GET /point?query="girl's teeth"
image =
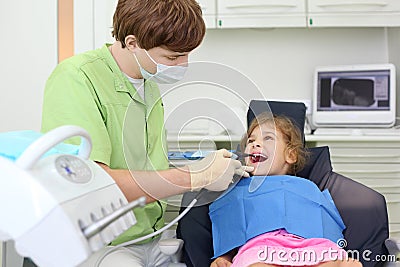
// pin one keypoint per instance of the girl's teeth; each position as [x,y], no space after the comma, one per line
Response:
[258,158]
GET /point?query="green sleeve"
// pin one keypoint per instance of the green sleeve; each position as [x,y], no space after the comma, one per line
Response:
[70,99]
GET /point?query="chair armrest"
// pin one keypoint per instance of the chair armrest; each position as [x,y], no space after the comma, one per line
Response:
[393,246]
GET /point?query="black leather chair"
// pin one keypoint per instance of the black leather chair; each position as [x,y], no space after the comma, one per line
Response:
[363,210]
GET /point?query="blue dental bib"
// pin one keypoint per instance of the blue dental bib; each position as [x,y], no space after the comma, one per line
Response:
[292,203]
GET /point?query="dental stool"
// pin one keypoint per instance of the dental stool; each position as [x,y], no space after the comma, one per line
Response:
[172,247]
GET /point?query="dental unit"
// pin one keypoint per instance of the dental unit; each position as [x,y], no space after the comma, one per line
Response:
[61,208]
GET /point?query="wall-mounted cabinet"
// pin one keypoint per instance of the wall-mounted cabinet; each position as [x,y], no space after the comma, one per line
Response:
[300,13]
[260,13]
[93,18]
[353,13]
[209,8]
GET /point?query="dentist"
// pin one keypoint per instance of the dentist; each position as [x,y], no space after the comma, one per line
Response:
[102,92]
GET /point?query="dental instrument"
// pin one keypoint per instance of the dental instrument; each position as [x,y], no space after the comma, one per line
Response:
[241,155]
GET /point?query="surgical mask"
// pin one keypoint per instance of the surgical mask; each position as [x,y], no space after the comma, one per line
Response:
[164,73]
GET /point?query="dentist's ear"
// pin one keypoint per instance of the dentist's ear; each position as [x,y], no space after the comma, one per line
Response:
[131,43]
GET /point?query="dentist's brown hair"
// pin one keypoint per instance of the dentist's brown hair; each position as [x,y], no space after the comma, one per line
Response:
[177,25]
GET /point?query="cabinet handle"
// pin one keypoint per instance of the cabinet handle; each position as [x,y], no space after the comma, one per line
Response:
[278,3]
[333,3]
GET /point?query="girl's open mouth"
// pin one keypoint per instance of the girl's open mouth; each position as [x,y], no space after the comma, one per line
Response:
[258,157]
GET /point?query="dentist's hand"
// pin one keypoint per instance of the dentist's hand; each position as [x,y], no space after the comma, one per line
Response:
[216,170]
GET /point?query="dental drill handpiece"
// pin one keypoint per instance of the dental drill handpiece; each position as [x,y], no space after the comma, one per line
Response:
[102,223]
[241,155]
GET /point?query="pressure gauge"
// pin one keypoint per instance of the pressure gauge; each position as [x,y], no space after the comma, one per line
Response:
[73,169]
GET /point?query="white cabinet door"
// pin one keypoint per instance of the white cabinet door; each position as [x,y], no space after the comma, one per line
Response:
[261,13]
[353,13]
[103,21]
[209,12]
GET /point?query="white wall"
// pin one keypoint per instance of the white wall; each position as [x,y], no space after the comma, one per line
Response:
[281,61]
[28,52]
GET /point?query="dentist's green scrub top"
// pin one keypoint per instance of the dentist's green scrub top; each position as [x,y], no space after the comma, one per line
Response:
[89,90]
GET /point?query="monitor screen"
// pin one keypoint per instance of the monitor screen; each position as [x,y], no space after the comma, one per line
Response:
[357,95]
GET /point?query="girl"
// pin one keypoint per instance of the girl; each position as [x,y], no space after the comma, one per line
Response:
[275,218]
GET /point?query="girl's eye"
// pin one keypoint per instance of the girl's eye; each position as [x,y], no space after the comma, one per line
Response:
[172,58]
[268,138]
[250,141]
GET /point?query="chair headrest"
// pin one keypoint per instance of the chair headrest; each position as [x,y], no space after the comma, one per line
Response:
[296,111]
[318,166]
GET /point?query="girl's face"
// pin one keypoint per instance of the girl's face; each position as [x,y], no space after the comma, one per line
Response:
[269,147]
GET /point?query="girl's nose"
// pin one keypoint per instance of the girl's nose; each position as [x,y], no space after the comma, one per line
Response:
[256,144]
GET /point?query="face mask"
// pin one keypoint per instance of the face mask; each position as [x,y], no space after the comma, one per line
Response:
[164,73]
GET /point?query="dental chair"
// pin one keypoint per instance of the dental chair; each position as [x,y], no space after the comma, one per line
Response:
[363,210]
